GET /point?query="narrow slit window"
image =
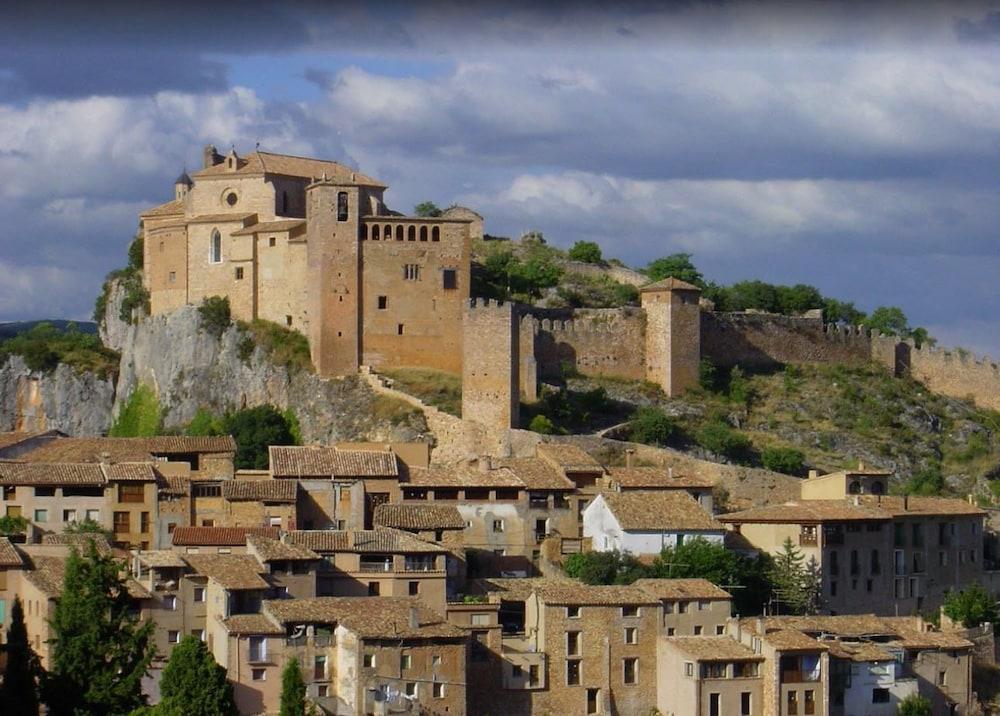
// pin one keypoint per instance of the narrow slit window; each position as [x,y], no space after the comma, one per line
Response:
[215,250]
[342,212]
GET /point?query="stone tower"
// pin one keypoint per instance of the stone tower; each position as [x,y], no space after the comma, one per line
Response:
[673,334]
[333,269]
[490,364]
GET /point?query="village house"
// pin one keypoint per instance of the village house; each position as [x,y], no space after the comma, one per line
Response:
[690,607]
[708,676]
[217,540]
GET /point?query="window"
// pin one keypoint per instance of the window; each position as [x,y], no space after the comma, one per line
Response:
[173,636]
[383,303]
[272,242]
[144,522]
[258,648]
[198,634]
[436,233]
[834,563]
[435,661]
[413,588]
[450,279]
[122,522]
[411,272]
[714,706]
[572,612]
[631,635]
[373,589]
[342,212]
[199,594]
[573,643]
[876,566]
[671,631]
[630,672]
[94,515]
[688,668]
[410,689]
[258,674]
[411,233]
[215,248]
[45,492]
[399,329]
[239,273]
[572,672]
[322,691]
[793,703]
[368,660]
[880,696]
[231,198]
[630,611]
[720,629]
[438,690]
[172,277]
[423,233]
[288,320]
[170,603]
[284,203]
[682,607]
[131,492]
[833,588]
[41,515]
[69,515]
[498,525]
[746,703]
[942,678]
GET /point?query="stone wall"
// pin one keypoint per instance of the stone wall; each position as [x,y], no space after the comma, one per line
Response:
[953,373]
[595,342]
[490,364]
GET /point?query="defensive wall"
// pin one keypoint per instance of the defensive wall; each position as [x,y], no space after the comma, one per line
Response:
[958,374]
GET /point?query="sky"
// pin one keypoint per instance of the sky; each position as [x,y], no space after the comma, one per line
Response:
[852,146]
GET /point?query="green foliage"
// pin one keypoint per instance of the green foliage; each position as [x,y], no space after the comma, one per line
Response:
[740,390]
[926,482]
[571,411]
[19,688]
[976,446]
[100,650]
[441,389]
[141,416]
[135,254]
[708,375]
[13,525]
[294,426]
[915,705]
[890,320]
[506,275]
[541,424]
[293,690]
[783,459]
[204,423]
[427,209]
[577,290]
[215,314]
[677,265]
[586,251]
[651,426]
[283,346]
[193,684]
[135,294]
[718,437]
[604,567]
[43,347]
[795,581]
[87,527]
[835,311]
[971,607]
[254,430]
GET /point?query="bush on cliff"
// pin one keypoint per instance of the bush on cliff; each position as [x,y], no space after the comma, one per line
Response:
[44,347]
[255,429]
[135,294]
[283,346]
[721,439]
[577,290]
[216,315]
[586,251]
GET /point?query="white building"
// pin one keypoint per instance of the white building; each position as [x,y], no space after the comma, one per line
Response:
[872,676]
[645,522]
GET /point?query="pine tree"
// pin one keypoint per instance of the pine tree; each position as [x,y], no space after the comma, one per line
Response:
[194,684]
[796,583]
[19,690]
[293,690]
[100,651]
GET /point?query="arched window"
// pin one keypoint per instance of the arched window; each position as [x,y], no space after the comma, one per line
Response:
[374,232]
[387,233]
[284,203]
[436,234]
[399,232]
[342,206]
[423,233]
[854,488]
[215,250]
[878,488]
[411,233]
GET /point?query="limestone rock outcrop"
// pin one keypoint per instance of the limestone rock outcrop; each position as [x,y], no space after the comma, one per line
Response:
[75,402]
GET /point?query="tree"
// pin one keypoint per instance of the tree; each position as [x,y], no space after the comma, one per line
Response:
[783,459]
[796,583]
[194,684]
[604,567]
[889,320]
[87,526]
[915,705]
[586,251]
[100,650]
[427,209]
[13,525]
[255,429]
[971,607]
[541,424]
[677,265]
[293,690]
[19,690]
[216,315]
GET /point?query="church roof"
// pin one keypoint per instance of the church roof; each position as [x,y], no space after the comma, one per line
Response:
[170,208]
[670,284]
[287,165]
[184,179]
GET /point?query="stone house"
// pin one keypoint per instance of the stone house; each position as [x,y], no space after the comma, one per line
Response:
[708,676]
[217,540]
[690,607]
[648,479]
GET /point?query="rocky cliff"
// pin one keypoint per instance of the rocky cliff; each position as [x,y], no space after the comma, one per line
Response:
[77,403]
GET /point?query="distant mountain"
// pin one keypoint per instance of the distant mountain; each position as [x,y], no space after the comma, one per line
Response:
[13,328]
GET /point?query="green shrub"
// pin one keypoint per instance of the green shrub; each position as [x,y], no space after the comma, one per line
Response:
[141,416]
[245,348]
[255,429]
[541,424]
[740,390]
[977,446]
[927,482]
[721,439]
[586,251]
[971,607]
[44,347]
[204,423]
[708,375]
[283,346]
[135,294]
[783,459]
[578,290]
[216,315]
[13,525]
[915,705]
[651,426]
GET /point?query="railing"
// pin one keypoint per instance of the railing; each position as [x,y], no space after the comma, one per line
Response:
[376,566]
[807,540]
[421,566]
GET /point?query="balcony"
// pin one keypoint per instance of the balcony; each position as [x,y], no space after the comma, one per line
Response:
[376,565]
[807,540]
[413,564]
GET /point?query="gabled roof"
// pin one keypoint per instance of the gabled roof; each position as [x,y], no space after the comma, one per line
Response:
[80,541]
[19,473]
[657,478]
[251,624]
[568,457]
[266,490]
[381,540]
[160,558]
[460,476]
[170,208]
[368,617]
[220,536]
[535,473]
[288,165]
[713,648]
[127,449]
[231,571]
[130,472]
[270,227]
[272,550]
[561,590]
[674,589]
[867,507]
[9,556]
[418,517]
[669,284]
[321,461]
[659,510]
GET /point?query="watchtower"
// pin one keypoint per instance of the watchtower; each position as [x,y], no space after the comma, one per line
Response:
[673,334]
[491,363]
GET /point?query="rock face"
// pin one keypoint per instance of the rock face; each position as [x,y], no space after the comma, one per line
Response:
[77,403]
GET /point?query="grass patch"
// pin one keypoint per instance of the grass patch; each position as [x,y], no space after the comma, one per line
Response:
[284,346]
[433,387]
[44,347]
[394,411]
[142,415]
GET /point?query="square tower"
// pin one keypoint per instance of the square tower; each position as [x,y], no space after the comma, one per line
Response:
[491,364]
[673,334]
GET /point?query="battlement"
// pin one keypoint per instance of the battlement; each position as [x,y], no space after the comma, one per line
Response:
[489,304]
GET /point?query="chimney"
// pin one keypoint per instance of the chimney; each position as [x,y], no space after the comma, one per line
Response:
[813,474]
[629,457]
[414,621]
[857,500]
[861,465]
[971,499]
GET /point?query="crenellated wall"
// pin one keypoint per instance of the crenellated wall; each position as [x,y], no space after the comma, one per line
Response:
[953,373]
[596,342]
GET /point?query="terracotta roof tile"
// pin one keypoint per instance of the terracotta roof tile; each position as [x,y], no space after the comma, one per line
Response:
[130,472]
[127,449]
[287,165]
[260,490]
[272,550]
[47,574]
[220,536]
[906,632]
[19,473]
[713,648]
[657,478]
[271,227]
[659,510]
[316,461]
[380,539]
[162,558]
[568,457]
[558,590]
[251,624]
[670,589]
[868,507]
[894,505]
[176,206]
[226,218]
[171,485]
[669,284]
[10,439]
[80,540]
[232,571]
[368,617]
[859,651]
[418,517]
[535,473]
[9,556]
[462,476]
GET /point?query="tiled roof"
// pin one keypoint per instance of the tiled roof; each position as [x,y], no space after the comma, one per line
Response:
[659,510]
[270,227]
[10,439]
[907,632]
[232,571]
[287,165]
[130,472]
[380,539]
[9,556]
[251,624]
[418,517]
[170,208]
[272,550]
[47,574]
[535,473]
[669,284]
[127,449]
[162,558]
[569,457]
[791,640]
[868,507]
[899,506]
[316,461]
[669,589]
[462,476]
[368,617]
[267,490]
[220,536]
[713,648]
[80,540]
[19,473]
[171,485]
[860,651]
[657,478]
[518,589]
[594,594]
